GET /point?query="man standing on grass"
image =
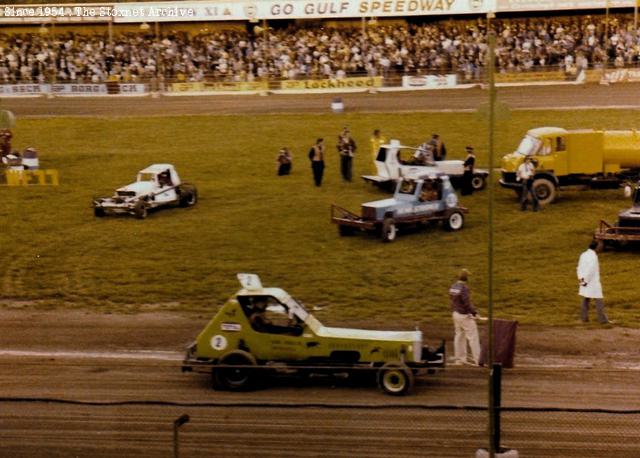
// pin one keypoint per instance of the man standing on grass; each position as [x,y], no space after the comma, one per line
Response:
[590,287]
[347,149]
[464,321]
[316,156]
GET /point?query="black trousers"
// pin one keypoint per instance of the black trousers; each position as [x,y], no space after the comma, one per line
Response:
[346,163]
[467,187]
[318,170]
[528,194]
[284,169]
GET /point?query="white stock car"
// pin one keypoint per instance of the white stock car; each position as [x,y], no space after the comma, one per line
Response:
[156,186]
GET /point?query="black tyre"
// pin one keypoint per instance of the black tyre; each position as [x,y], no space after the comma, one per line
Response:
[140,209]
[454,221]
[389,230]
[346,231]
[395,379]
[545,190]
[188,196]
[235,378]
[478,182]
[98,212]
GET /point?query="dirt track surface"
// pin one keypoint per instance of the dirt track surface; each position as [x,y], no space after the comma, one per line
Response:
[86,384]
[76,383]
[566,96]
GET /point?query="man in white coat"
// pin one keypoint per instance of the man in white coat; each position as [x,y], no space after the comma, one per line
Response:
[590,288]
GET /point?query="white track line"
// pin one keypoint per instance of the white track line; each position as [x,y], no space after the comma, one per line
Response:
[123,354]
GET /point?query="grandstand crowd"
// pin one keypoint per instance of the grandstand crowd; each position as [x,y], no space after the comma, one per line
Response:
[452,46]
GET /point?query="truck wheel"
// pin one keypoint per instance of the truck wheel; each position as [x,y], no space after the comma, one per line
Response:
[454,221]
[188,196]
[478,182]
[235,379]
[98,212]
[395,379]
[346,231]
[140,210]
[389,230]
[545,190]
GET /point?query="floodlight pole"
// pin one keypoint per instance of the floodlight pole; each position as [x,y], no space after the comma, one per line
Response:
[492,101]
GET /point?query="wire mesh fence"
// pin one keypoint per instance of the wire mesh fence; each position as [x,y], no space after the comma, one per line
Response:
[382,430]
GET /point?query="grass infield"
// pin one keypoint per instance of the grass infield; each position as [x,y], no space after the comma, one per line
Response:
[56,254]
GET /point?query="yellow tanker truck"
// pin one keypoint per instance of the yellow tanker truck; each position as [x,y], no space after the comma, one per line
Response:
[592,158]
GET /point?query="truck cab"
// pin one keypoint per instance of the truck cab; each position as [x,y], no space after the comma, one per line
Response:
[584,158]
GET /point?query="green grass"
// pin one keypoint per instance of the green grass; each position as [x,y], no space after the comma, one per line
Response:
[56,254]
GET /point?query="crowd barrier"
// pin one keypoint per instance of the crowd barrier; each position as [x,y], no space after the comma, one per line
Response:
[310,86]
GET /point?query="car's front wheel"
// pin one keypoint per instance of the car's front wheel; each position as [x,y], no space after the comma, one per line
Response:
[98,212]
[395,379]
[188,196]
[140,209]
[454,221]
[235,378]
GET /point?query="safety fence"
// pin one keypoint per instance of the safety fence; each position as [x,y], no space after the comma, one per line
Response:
[67,428]
[391,81]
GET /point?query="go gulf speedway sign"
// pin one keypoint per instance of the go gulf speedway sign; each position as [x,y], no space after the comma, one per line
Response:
[292,9]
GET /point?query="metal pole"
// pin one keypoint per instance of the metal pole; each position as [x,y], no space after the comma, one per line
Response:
[496,378]
[492,99]
[606,40]
[181,420]
[635,18]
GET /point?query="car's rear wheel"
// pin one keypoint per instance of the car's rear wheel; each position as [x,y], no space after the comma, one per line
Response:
[389,230]
[478,182]
[395,379]
[140,209]
[454,221]
[239,378]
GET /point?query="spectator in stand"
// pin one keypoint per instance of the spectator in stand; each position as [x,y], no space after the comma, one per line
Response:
[456,46]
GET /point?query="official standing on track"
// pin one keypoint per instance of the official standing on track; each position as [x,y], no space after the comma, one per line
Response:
[590,287]
[464,321]
[316,156]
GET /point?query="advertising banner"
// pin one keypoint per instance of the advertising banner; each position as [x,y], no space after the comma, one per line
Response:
[23,89]
[430,81]
[292,9]
[132,88]
[79,89]
[530,77]
[225,86]
[551,5]
[623,76]
[344,83]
